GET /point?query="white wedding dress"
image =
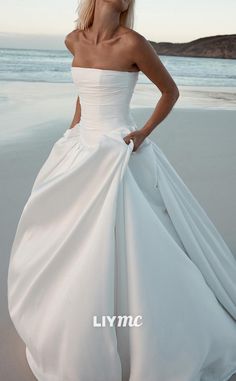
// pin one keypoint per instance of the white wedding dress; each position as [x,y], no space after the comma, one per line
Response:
[108,231]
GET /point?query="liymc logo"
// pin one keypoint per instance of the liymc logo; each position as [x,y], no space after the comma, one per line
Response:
[118,321]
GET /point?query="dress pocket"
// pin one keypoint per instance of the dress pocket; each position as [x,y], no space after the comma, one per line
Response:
[129,145]
[71,132]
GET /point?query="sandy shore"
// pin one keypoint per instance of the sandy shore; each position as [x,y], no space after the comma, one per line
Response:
[23,104]
[200,144]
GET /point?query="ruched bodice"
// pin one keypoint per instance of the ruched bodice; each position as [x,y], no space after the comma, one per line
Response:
[105,96]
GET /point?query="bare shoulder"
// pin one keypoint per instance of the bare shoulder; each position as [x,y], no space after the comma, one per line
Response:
[140,49]
[147,60]
[136,40]
[70,40]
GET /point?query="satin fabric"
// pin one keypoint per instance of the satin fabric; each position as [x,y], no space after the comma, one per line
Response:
[110,231]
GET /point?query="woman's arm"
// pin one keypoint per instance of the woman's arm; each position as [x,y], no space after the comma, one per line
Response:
[148,62]
[77,114]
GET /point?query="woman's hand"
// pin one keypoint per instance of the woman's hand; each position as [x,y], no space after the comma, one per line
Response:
[137,136]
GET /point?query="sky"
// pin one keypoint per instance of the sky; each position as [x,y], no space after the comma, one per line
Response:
[44,24]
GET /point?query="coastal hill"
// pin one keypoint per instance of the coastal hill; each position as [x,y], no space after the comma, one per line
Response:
[221,46]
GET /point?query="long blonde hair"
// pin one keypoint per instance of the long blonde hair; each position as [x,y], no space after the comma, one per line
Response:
[85,11]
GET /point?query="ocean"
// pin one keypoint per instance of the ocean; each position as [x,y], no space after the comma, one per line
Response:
[30,65]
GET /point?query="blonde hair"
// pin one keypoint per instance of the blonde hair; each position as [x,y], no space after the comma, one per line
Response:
[85,11]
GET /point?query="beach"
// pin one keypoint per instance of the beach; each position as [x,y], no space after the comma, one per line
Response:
[198,137]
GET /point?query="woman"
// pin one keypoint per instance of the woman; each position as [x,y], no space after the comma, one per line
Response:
[116,272]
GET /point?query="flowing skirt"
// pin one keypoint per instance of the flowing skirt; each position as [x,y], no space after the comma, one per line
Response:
[108,231]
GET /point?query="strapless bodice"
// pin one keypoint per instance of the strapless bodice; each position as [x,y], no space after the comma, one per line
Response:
[105,97]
